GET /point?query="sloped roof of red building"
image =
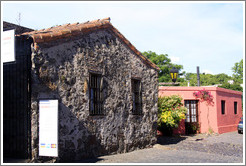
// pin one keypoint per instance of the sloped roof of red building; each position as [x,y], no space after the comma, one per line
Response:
[70,30]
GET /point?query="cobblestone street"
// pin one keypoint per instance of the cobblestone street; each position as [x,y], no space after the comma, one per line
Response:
[201,148]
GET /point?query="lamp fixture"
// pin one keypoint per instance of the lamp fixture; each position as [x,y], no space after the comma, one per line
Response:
[174,74]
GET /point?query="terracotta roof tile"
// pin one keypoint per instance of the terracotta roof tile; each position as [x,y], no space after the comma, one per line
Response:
[69,30]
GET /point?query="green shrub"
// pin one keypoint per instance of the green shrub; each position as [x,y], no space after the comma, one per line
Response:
[170,111]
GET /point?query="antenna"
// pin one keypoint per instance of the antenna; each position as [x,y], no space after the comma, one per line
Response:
[18,20]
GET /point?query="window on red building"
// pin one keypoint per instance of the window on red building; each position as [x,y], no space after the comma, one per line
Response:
[222,107]
[235,107]
[192,111]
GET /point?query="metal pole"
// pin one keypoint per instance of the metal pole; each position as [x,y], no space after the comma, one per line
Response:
[198,76]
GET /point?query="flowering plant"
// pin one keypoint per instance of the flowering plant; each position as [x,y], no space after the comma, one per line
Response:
[204,95]
[170,111]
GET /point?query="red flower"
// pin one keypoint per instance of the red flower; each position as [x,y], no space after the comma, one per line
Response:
[204,95]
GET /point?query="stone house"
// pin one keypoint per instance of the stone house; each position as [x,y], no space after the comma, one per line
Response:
[107,90]
[220,117]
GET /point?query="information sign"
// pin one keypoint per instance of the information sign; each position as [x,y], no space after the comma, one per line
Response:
[8,46]
[48,128]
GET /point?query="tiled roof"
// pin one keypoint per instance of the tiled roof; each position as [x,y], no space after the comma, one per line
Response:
[70,30]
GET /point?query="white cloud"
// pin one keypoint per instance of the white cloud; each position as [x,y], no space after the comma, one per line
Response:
[207,71]
[174,59]
[209,35]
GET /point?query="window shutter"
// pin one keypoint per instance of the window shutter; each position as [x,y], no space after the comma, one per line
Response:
[86,85]
[140,87]
[140,97]
[101,95]
[133,96]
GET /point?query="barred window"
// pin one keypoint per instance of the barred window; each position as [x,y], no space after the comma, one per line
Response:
[136,97]
[95,95]
[192,110]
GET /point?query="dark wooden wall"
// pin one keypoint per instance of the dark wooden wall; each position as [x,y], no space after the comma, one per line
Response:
[16,101]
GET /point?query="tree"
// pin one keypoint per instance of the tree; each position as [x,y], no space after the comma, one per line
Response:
[238,72]
[165,65]
[237,78]
[234,86]
[208,79]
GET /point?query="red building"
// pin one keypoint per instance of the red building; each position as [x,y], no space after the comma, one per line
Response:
[220,117]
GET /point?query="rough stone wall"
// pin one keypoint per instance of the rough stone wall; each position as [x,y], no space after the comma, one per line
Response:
[62,71]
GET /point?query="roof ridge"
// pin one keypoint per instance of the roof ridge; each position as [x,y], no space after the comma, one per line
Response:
[75,29]
[104,20]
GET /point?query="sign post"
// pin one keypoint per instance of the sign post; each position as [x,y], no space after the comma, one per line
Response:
[8,46]
[48,128]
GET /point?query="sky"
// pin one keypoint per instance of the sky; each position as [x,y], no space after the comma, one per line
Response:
[206,34]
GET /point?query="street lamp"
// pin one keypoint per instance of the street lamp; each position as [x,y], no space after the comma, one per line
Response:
[174,74]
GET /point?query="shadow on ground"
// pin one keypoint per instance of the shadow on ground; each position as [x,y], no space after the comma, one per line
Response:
[168,140]
[15,160]
[90,160]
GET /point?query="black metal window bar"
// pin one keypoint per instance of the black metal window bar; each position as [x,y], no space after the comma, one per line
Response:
[137,97]
[95,95]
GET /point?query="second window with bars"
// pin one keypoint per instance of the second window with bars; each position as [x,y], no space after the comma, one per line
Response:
[137,97]
[95,95]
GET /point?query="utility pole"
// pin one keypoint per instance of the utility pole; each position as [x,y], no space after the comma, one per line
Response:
[198,76]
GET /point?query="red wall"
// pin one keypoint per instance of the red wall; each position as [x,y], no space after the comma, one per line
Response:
[228,122]
[209,116]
